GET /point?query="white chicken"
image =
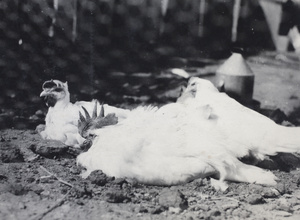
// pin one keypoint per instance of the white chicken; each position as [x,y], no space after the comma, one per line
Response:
[204,133]
[255,133]
[61,121]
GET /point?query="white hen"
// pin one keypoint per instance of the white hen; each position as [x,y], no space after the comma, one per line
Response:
[61,121]
[255,133]
[204,133]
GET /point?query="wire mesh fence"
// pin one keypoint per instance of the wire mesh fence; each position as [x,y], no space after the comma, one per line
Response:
[83,41]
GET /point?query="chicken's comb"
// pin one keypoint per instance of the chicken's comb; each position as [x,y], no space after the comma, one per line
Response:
[48,84]
[52,83]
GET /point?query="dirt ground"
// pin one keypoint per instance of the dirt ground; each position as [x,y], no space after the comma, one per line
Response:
[40,179]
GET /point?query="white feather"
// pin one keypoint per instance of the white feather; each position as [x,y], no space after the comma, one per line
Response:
[62,119]
[256,133]
[158,148]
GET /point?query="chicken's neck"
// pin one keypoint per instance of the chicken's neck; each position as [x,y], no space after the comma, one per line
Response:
[63,103]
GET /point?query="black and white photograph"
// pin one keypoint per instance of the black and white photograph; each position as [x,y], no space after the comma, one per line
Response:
[149,109]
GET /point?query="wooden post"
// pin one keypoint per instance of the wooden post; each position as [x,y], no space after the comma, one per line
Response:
[164,8]
[201,18]
[74,26]
[236,13]
[55,9]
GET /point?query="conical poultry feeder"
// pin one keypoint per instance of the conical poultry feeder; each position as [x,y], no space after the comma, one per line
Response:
[236,78]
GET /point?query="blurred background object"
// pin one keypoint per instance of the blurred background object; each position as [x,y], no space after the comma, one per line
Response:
[289,23]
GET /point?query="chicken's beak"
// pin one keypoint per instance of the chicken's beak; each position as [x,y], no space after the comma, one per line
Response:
[48,96]
[45,93]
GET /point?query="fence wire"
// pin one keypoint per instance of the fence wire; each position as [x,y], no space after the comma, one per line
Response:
[83,41]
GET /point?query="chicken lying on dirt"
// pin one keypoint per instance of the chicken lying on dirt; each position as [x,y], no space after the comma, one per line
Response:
[204,133]
[61,121]
[254,132]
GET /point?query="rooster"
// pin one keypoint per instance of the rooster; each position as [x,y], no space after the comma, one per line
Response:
[61,121]
[204,133]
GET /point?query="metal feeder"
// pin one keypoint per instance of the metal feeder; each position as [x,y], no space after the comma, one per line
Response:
[236,78]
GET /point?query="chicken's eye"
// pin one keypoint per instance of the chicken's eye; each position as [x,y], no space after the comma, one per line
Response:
[193,84]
